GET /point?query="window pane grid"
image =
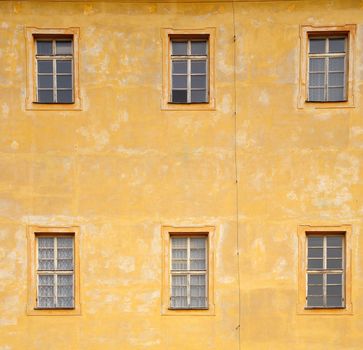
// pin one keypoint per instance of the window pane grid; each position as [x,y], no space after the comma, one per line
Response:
[189,78]
[188,282]
[55,279]
[326,82]
[55,56]
[325,284]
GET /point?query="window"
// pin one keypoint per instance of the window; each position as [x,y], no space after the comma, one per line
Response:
[52,60]
[326,79]
[188,256]
[53,270]
[54,63]
[188,69]
[189,62]
[324,269]
[188,273]
[327,68]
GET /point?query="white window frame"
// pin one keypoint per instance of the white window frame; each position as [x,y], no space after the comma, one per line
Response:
[189,58]
[55,272]
[188,272]
[325,270]
[54,58]
[326,55]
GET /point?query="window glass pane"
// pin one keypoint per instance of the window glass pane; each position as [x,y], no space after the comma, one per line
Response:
[179,48]
[64,81]
[198,66]
[336,79]
[334,278]
[64,66]
[199,96]
[64,47]
[45,96]
[315,279]
[45,81]
[334,241]
[315,263]
[334,252]
[334,301]
[181,243]
[46,291]
[317,65]
[199,47]
[180,67]
[197,291]
[315,290]
[179,81]
[337,45]
[317,45]
[178,253]
[316,79]
[65,242]
[65,291]
[64,96]
[334,290]
[179,291]
[315,241]
[45,242]
[334,263]
[198,81]
[45,66]
[315,301]
[316,95]
[179,96]
[315,252]
[44,47]
[336,94]
[336,64]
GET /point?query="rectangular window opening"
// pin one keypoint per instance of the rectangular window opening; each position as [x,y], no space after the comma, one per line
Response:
[189,272]
[325,272]
[327,68]
[55,271]
[189,67]
[54,70]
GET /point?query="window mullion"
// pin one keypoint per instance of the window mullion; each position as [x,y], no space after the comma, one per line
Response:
[189,78]
[54,80]
[189,272]
[55,277]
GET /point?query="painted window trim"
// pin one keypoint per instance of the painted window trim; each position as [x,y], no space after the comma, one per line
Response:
[166,233]
[31,101]
[32,309]
[305,31]
[303,231]
[167,34]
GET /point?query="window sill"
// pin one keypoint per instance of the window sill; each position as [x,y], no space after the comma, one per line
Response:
[168,311]
[326,104]
[39,106]
[195,106]
[75,311]
[303,310]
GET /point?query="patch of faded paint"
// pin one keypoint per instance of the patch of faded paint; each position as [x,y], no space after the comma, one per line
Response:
[264,98]
[126,263]
[14,145]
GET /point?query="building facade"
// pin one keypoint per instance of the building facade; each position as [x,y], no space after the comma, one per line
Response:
[181,175]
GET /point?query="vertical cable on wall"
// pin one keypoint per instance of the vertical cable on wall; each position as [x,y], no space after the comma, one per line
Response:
[236,172]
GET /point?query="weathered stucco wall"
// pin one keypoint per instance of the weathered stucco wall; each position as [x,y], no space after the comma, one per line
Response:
[120,168]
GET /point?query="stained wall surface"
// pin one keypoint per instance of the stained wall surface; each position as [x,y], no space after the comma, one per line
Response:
[121,168]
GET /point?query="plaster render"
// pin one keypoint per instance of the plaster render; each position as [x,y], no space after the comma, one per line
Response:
[120,168]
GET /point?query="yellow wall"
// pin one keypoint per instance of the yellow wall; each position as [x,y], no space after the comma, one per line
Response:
[121,168]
